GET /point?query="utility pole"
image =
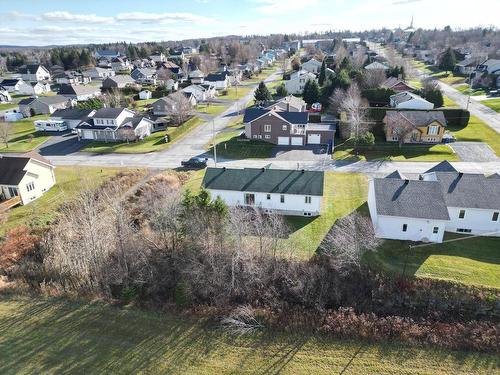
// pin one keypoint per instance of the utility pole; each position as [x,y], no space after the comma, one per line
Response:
[213,142]
[470,91]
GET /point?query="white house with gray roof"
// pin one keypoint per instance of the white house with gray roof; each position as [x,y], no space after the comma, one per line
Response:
[409,100]
[441,200]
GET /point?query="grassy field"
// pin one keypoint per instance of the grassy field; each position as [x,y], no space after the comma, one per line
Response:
[56,336]
[69,181]
[448,103]
[20,135]
[212,109]
[391,151]
[229,147]
[141,104]
[343,194]
[5,106]
[492,103]
[464,89]
[155,142]
[234,93]
[477,131]
[473,261]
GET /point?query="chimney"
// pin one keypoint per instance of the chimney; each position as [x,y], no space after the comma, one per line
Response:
[407,182]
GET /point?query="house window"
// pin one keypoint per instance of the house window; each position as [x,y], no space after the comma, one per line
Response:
[268,197]
[308,200]
[435,230]
[267,136]
[30,186]
[495,216]
[284,127]
[282,198]
[250,199]
[405,227]
[433,130]
[267,128]
[461,214]
[254,136]
[464,230]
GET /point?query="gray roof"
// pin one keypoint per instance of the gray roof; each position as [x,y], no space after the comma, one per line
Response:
[55,99]
[444,166]
[396,174]
[10,81]
[111,113]
[409,198]
[252,114]
[120,78]
[468,190]
[32,68]
[279,181]
[72,113]
[417,118]
[406,96]
[12,169]
[77,89]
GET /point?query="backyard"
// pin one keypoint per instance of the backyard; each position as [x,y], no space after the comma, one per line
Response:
[23,136]
[235,93]
[50,336]
[155,142]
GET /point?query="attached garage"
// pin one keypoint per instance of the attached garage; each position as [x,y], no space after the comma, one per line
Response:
[283,141]
[88,134]
[297,141]
[314,139]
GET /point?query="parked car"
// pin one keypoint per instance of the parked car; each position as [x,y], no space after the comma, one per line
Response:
[195,163]
[315,107]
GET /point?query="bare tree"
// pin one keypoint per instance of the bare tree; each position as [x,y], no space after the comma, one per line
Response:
[181,108]
[372,79]
[354,106]
[241,321]
[399,127]
[5,133]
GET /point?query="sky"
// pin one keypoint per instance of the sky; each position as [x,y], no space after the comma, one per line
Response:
[49,22]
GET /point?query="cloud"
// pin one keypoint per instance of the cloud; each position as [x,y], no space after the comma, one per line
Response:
[67,16]
[163,17]
[282,6]
[404,2]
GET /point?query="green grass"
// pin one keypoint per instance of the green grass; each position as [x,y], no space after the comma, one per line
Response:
[141,104]
[20,133]
[391,151]
[473,261]
[155,142]
[343,194]
[234,93]
[477,131]
[464,89]
[212,109]
[416,83]
[229,147]
[57,336]
[5,106]
[492,103]
[448,103]
[69,180]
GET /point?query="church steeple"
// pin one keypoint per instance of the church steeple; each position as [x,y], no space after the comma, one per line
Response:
[411,23]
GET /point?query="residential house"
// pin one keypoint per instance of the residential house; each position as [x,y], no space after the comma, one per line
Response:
[286,128]
[118,82]
[98,73]
[79,92]
[396,84]
[17,86]
[121,64]
[376,66]
[145,95]
[418,126]
[312,66]
[24,179]
[64,119]
[4,95]
[196,76]
[408,100]
[34,73]
[426,56]
[219,80]
[286,192]
[292,45]
[44,105]
[190,98]
[289,103]
[441,200]
[169,68]
[202,92]
[114,125]
[158,58]
[485,72]
[70,78]
[39,88]
[107,55]
[296,83]
[467,66]
[145,76]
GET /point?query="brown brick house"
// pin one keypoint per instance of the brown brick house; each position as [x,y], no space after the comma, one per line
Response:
[286,128]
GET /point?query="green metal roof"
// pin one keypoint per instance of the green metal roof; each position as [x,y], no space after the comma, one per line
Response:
[262,180]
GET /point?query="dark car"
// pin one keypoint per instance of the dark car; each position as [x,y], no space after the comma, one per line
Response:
[195,163]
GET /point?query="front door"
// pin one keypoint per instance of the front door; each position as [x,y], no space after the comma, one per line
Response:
[13,192]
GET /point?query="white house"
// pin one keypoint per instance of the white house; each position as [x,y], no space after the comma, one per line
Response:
[44,104]
[312,66]
[219,80]
[297,81]
[376,66]
[114,125]
[79,92]
[408,100]
[158,58]
[286,192]
[23,179]
[201,92]
[64,119]
[441,200]
[145,95]
[196,76]
[145,76]
[98,73]
[34,73]
[4,95]
[17,86]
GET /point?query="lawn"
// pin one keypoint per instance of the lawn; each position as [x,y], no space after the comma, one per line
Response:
[464,89]
[155,142]
[448,103]
[60,336]
[229,147]
[235,93]
[473,261]
[20,135]
[69,181]
[212,109]
[391,151]
[141,104]
[5,106]
[477,131]
[343,194]
[492,103]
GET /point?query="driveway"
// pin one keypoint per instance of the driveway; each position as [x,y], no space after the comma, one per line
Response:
[61,144]
[474,151]
[306,153]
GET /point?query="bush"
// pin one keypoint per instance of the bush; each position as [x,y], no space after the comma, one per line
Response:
[367,139]
[378,97]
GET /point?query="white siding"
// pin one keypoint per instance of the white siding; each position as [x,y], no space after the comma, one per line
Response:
[43,178]
[478,220]
[391,227]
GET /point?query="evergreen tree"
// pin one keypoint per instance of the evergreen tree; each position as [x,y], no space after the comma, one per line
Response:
[281,91]
[311,92]
[262,93]
[345,64]
[448,60]
[322,74]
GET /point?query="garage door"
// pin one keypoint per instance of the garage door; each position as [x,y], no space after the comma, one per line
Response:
[88,134]
[297,141]
[283,141]
[313,139]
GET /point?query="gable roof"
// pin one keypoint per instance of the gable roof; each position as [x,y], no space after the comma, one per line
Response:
[406,96]
[376,65]
[393,81]
[403,198]
[278,181]
[252,114]
[72,113]
[109,113]
[70,89]
[214,77]
[444,166]
[12,169]
[417,118]
[48,100]
[31,68]
[120,78]
[396,174]
[10,81]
